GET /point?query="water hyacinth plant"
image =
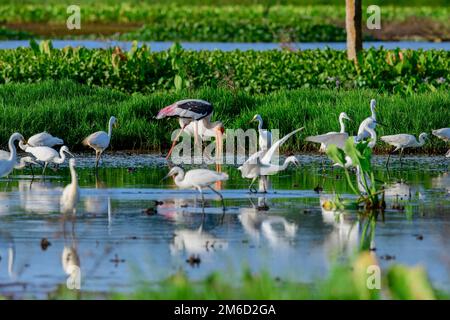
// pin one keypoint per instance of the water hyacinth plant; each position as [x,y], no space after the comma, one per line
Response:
[359,155]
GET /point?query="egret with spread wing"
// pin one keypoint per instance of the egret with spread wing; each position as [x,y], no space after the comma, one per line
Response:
[259,164]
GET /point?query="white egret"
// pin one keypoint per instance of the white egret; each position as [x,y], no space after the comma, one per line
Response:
[49,155]
[339,139]
[265,142]
[23,162]
[259,164]
[370,122]
[403,141]
[265,136]
[443,134]
[342,116]
[71,193]
[371,145]
[44,139]
[99,141]
[197,179]
[7,165]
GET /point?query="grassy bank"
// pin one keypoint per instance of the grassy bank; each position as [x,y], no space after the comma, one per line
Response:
[73,111]
[139,69]
[267,22]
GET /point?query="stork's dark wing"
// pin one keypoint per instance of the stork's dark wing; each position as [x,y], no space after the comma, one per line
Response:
[194,109]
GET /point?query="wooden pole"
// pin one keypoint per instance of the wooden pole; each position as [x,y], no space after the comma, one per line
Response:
[353,24]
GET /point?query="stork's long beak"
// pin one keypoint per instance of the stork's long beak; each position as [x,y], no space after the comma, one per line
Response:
[166,177]
[70,154]
[380,124]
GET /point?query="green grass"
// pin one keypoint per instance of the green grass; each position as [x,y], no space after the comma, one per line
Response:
[277,22]
[73,111]
[141,70]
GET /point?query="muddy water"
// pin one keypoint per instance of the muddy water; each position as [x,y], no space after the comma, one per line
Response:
[131,226]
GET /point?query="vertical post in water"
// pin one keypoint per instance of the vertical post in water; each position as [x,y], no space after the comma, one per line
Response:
[353,24]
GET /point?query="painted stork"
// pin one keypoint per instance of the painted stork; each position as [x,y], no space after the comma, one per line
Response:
[194,117]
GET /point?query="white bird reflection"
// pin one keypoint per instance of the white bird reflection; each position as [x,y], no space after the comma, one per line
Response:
[39,197]
[70,260]
[196,241]
[257,223]
[442,182]
[344,238]
[403,191]
[7,243]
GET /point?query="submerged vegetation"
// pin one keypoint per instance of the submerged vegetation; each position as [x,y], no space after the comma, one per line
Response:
[405,71]
[73,111]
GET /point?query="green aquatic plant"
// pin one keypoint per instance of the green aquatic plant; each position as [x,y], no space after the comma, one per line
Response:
[360,155]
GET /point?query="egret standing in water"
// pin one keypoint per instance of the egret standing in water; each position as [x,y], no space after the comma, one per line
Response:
[23,162]
[370,122]
[403,141]
[198,179]
[443,134]
[265,136]
[100,140]
[7,165]
[342,116]
[265,142]
[259,164]
[44,139]
[48,155]
[71,193]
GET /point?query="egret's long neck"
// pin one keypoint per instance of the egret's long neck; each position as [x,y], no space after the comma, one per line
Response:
[12,150]
[374,116]
[73,174]
[373,137]
[341,122]
[110,128]
[260,123]
[62,157]
[179,179]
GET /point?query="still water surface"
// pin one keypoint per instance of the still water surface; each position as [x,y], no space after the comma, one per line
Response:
[118,243]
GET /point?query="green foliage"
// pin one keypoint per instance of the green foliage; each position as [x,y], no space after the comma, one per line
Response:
[258,14]
[410,283]
[263,22]
[141,70]
[73,111]
[6,34]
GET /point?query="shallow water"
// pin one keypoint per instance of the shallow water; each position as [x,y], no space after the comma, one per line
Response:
[228,46]
[118,244]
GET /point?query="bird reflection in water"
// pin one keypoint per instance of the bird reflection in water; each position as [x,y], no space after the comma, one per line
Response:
[256,223]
